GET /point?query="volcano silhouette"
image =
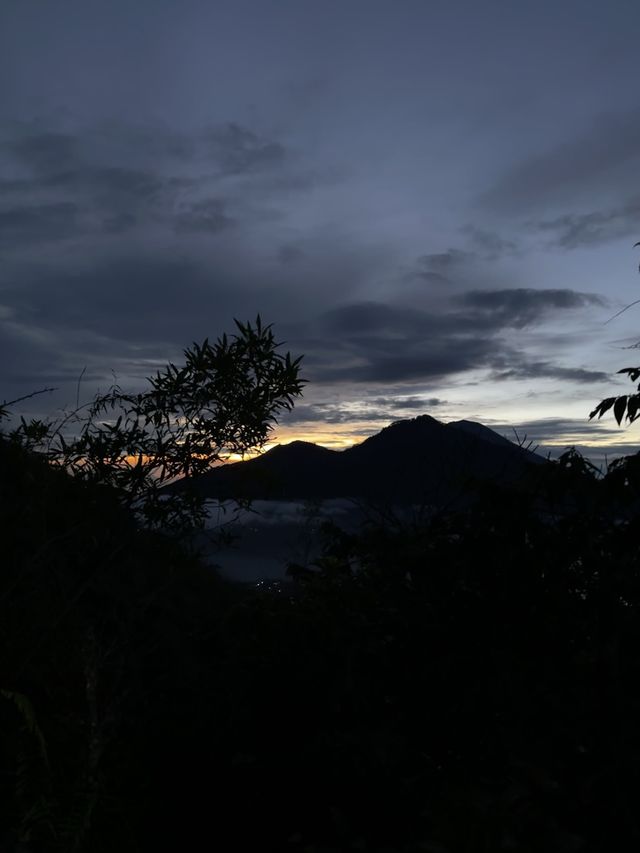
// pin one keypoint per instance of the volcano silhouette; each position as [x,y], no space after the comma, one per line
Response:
[418,459]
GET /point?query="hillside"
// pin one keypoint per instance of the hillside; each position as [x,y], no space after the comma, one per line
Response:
[417,459]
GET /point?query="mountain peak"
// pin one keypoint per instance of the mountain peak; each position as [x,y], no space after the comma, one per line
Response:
[419,420]
[402,429]
[299,447]
[417,459]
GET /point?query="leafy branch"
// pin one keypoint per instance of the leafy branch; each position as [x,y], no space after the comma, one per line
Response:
[625,406]
[224,399]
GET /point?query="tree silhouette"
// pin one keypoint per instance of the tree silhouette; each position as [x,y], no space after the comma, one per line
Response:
[625,406]
[92,587]
[224,399]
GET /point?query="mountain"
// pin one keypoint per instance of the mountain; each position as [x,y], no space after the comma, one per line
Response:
[421,459]
[287,470]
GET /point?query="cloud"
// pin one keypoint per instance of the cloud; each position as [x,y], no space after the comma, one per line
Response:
[205,217]
[526,369]
[357,411]
[577,230]
[65,194]
[601,159]
[599,441]
[289,254]
[149,276]
[74,162]
[455,268]
[119,223]
[548,429]
[373,342]
[44,152]
[40,356]
[110,182]
[519,307]
[488,244]
[329,413]
[402,403]
[145,143]
[237,150]
[444,262]
[375,317]
[39,223]
[421,363]
[141,206]
[114,178]
[435,269]
[169,296]
[136,297]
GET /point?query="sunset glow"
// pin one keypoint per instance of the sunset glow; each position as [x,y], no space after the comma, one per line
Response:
[433,235]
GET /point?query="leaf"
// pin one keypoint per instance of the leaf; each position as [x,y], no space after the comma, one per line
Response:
[619,408]
[30,722]
[634,372]
[632,407]
[602,407]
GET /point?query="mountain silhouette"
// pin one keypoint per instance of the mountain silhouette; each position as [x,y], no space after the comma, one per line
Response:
[421,459]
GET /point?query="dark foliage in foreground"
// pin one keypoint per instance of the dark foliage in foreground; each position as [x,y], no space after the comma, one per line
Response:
[470,682]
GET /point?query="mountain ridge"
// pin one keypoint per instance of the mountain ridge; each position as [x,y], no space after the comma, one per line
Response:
[411,459]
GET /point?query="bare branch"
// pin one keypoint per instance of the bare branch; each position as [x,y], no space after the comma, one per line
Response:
[6,404]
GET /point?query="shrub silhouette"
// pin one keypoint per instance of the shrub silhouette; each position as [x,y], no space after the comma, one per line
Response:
[87,569]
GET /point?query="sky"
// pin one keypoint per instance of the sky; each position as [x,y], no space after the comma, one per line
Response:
[433,202]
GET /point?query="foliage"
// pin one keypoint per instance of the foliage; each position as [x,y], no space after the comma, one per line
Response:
[494,654]
[224,399]
[465,682]
[624,405]
[82,568]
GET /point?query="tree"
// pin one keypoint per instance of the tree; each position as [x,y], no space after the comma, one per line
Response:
[88,574]
[224,399]
[625,406]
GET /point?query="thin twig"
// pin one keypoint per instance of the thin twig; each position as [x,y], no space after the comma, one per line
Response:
[78,388]
[630,305]
[28,396]
[627,306]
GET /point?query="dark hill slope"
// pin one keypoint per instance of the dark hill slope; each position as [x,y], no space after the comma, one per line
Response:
[298,469]
[426,459]
[419,459]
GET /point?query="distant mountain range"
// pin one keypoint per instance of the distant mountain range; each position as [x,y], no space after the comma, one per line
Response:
[421,459]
